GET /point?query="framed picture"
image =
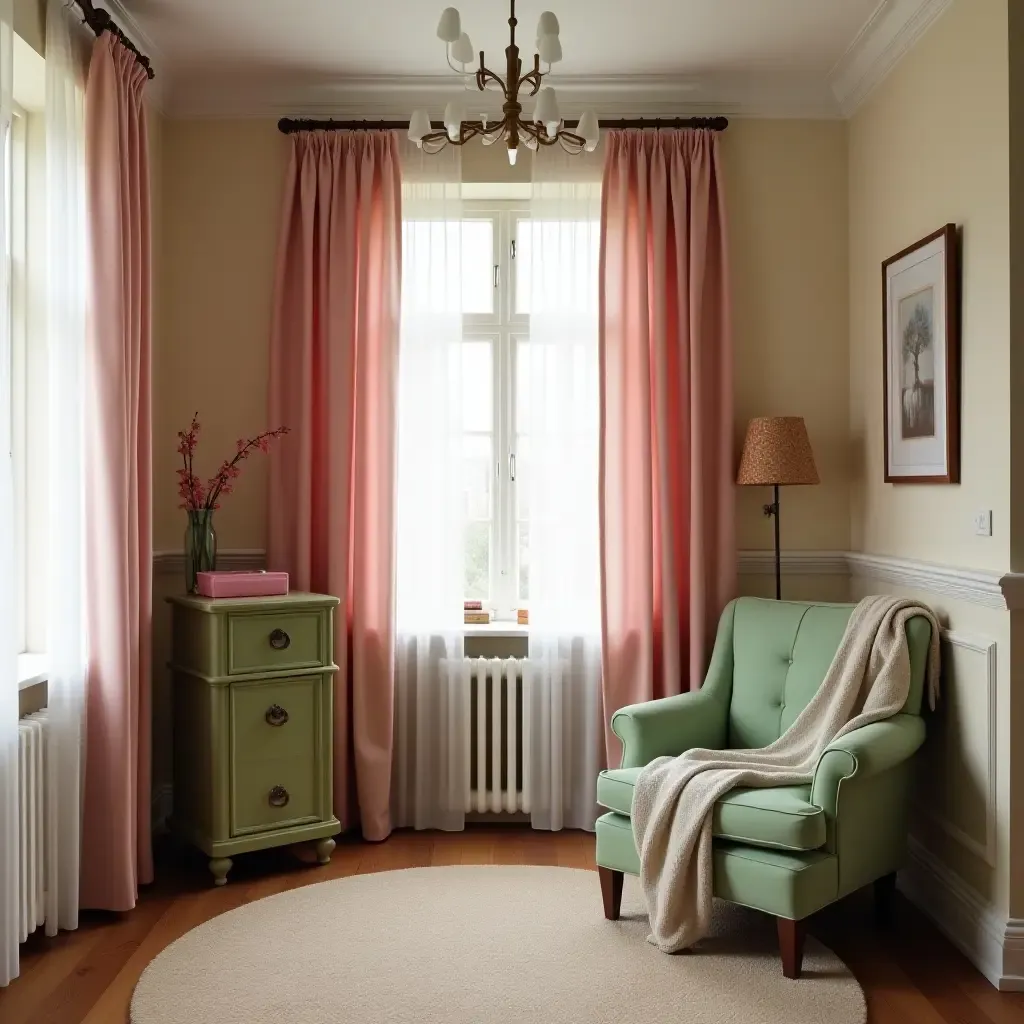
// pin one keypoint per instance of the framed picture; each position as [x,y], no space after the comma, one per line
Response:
[921,357]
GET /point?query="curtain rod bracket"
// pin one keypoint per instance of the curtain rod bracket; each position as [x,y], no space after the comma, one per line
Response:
[100,21]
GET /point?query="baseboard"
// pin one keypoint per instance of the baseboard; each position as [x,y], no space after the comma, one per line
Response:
[992,943]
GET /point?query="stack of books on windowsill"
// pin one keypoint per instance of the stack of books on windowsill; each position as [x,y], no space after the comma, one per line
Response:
[474,614]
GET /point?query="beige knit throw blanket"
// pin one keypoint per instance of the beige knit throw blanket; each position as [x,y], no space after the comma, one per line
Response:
[869,679]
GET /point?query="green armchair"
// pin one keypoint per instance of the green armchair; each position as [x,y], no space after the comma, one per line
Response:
[791,850]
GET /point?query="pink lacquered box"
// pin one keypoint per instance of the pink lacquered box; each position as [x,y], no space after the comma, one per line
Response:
[242,584]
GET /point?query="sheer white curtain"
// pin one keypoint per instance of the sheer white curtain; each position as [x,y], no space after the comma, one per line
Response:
[9,833]
[430,763]
[67,56]
[564,667]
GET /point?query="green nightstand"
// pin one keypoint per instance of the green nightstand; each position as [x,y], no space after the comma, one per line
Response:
[253,720]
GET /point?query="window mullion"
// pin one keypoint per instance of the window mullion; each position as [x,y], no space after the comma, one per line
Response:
[501,422]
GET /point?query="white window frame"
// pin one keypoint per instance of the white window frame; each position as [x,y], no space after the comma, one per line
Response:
[504,329]
[17,270]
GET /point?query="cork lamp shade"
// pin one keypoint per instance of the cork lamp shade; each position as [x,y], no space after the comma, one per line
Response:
[777,451]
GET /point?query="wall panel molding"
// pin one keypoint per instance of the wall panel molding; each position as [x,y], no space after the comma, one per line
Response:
[984,850]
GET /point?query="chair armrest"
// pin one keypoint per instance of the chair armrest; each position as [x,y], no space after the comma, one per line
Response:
[670,726]
[864,752]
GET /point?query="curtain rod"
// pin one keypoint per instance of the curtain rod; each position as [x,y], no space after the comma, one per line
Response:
[100,21]
[290,125]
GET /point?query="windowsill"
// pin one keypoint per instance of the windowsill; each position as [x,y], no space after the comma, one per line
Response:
[32,670]
[496,629]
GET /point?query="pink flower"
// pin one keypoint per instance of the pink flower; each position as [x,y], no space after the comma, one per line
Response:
[194,494]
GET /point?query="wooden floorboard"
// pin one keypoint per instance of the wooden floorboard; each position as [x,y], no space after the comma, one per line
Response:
[910,973]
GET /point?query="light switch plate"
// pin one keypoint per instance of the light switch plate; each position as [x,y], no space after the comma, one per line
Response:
[983,523]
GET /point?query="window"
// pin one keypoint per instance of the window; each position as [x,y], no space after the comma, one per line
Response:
[496,376]
[26,172]
[17,213]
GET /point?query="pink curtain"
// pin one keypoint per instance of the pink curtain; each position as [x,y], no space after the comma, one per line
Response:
[667,540]
[116,848]
[333,380]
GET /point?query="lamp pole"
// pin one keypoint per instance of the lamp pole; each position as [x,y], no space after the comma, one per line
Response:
[773,510]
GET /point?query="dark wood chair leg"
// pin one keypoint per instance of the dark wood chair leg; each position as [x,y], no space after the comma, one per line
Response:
[885,892]
[791,945]
[611,892]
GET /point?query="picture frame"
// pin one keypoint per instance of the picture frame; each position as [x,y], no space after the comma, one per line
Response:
[921,361]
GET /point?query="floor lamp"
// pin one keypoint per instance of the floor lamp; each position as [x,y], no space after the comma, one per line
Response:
[777,451]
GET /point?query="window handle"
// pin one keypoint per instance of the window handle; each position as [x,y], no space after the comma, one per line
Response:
[495,275]
[512,249]
[512,466]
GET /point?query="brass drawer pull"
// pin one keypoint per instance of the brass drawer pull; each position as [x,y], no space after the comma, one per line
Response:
[276,715]
[278,796]
[280,640]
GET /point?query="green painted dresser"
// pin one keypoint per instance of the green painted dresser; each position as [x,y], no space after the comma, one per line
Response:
[253,719]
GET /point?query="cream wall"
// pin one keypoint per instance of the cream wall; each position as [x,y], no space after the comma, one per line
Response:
[222,189]
[786,187]
[30,22]
[931,146]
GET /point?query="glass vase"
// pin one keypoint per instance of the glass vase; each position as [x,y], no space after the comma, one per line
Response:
[200,547]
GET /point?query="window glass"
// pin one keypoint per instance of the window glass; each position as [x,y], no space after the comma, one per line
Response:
[569,282]
[449,266]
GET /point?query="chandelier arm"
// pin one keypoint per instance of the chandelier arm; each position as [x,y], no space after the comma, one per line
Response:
[534,130]
[463,73]
[534,79]
[493,132]
[576,140]
[485,75]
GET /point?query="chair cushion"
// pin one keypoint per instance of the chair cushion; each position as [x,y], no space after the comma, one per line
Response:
[783,817]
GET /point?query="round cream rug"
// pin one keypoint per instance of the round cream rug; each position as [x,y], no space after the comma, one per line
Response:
[479,944]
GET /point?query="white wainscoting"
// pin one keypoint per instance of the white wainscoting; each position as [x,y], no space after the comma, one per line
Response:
[965,751]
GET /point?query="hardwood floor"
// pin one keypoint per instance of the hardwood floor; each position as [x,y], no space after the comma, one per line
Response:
[910,973]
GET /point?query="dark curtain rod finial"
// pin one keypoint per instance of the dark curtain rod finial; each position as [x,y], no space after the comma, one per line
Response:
[291,125]
[100,21]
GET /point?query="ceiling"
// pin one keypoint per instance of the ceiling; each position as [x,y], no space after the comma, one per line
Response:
[315,52]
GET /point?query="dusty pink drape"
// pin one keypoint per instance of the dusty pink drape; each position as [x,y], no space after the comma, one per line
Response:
[667,539]
[333,381]
[116,848]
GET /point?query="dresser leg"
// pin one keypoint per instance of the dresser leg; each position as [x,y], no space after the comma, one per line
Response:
[324,849]
[219,868]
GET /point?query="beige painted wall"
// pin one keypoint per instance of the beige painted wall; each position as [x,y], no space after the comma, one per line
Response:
[931,146]
[30,22]
[222,191]
[786,194]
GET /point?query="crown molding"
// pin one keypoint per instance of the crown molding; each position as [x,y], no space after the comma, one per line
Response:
[890,32]
[393,97]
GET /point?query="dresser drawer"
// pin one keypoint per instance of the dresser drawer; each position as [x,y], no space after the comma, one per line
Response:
[277,641]
[274,793]
[275,754]
[278,719]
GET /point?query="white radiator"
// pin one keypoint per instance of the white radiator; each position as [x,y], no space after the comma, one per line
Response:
[498,779]
[34,868]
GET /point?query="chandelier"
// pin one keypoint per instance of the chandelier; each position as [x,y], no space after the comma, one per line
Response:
[544,128]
